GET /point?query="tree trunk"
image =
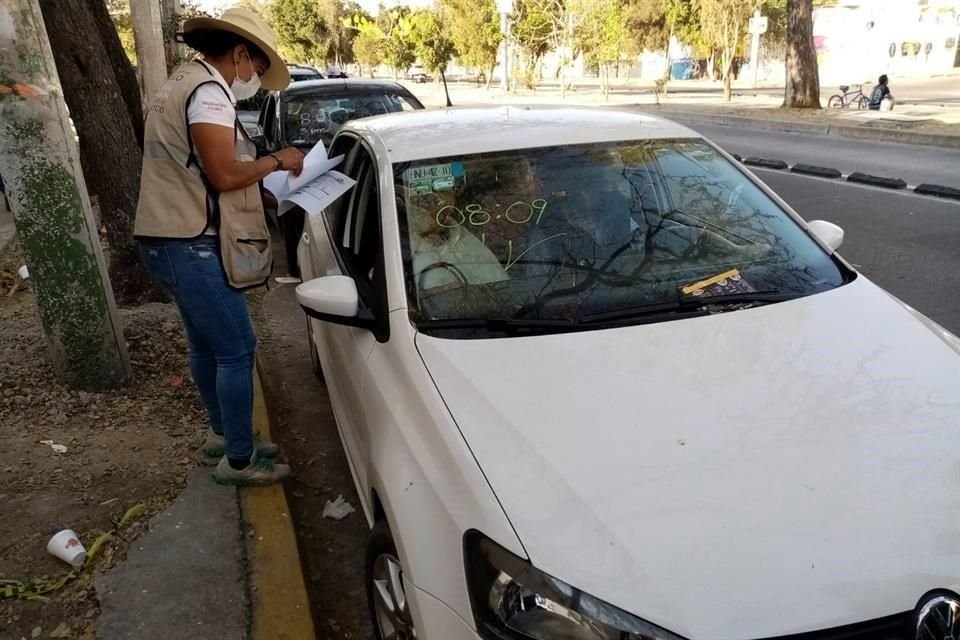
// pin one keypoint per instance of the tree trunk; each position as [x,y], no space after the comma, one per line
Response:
[803,79]
[109,152]
[126,77]
[727,62]
[51,208]
[712,65]
[148,34]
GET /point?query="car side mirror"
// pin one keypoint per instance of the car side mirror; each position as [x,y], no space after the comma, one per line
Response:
[828,233]
[334,299]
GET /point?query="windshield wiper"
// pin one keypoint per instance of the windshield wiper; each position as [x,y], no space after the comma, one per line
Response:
[505,325]
[690,305]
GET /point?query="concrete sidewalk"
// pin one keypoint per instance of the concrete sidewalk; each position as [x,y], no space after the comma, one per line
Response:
[218,563]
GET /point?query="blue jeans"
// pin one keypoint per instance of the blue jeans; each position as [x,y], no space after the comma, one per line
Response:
[219,332]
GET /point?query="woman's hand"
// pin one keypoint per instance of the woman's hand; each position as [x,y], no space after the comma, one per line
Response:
[291,160]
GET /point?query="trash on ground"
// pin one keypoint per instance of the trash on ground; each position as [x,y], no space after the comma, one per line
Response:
[287,280]
[338,509]
[59,448]
[66,545]
[23,272]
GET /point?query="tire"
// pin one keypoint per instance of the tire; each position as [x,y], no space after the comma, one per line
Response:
[384,581]
[835,102]
[314,356]
[863,102]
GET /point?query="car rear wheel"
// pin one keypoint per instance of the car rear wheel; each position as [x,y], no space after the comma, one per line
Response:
[389,606]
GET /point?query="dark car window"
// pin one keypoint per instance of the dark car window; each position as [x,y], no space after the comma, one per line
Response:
[311,118]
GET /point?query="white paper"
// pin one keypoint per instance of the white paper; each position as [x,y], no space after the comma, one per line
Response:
[310,172]
[319,194]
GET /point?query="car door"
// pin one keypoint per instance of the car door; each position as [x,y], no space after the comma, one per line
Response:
[354,237]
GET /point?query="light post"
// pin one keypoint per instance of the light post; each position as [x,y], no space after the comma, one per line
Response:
[505,8]
[758,26]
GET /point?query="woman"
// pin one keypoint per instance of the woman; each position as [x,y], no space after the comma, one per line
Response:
[199,175]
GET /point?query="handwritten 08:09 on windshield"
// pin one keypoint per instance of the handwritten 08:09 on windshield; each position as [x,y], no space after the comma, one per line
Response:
[474,214]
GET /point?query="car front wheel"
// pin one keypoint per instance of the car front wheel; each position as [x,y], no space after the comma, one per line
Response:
[389,606]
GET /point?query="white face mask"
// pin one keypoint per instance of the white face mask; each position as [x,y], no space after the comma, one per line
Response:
[243,89]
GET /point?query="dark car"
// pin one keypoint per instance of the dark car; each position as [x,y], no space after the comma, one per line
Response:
[303,73]
[309,112]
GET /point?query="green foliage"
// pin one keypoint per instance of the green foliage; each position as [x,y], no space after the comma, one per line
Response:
[367,41]
[303,34]
[602,35]
[120,15]
[431,41]
[474,30]
[398,45]
[533,28]
[646,25]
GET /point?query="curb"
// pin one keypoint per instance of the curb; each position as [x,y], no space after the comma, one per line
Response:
[815,170]
[824,129]
[766,163]
[937,190]
[280,607]
[877,181]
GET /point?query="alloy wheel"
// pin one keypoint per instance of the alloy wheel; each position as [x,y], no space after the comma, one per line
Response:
[393,618]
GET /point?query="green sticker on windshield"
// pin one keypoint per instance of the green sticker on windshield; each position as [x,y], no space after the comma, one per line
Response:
[434,177]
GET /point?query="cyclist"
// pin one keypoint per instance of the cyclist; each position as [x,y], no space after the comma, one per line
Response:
[880,93]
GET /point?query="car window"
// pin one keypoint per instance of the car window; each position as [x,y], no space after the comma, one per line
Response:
[268,118]
[359,236]
[344,145]
[564,233]
[312,118]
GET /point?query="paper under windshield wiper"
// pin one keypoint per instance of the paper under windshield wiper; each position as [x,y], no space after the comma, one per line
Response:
[689,304]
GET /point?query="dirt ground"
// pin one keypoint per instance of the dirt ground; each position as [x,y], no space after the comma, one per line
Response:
[332,552]
[123,447]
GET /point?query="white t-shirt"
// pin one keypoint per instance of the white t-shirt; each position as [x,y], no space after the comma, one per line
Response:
[210,105]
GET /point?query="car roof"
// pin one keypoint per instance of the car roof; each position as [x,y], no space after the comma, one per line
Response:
[343,84]
[437,133]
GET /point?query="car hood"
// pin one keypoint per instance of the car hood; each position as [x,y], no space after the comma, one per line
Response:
[743,475]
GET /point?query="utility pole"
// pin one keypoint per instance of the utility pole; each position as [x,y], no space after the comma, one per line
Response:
[758,26]
[40,164]
[505,7]
[151,56]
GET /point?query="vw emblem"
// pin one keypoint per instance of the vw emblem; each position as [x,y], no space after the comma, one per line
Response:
[939,618]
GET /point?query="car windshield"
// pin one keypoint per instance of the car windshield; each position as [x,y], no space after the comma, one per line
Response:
[310,118]
[612,230]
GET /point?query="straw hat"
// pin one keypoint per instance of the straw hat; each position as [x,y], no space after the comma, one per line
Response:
[249,25]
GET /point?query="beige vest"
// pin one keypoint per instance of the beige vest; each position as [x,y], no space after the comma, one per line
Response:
[176,200]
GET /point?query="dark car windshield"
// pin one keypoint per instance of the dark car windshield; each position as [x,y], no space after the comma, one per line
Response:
[565,234]
[310,118]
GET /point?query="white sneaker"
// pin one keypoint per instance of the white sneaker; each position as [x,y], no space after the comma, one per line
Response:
[259,473]
[212,448]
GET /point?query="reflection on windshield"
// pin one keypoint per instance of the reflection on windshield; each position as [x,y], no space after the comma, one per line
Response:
[565,233]
[311,118]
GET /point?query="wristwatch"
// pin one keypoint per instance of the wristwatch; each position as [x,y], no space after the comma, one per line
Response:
[279,161]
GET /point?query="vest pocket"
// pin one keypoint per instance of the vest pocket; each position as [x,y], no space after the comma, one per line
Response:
[244,239]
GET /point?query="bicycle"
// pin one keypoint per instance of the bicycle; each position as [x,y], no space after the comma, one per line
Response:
[847,98]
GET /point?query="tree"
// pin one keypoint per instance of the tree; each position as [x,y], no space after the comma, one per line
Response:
[367,42]
[120,15]
[302,33]
[475,32]
[559,20]
[723,24]
[532,30]
[602,37]
[51,209]
[431,41]
[803,78]
[398,45]
[104,100]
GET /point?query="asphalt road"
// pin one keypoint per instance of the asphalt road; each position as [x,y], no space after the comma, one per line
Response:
[914,163]
[907,244]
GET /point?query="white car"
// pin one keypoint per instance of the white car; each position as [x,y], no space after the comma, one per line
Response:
[595,381]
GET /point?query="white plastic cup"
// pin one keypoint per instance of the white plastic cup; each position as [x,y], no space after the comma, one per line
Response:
[66,545]
[23,272]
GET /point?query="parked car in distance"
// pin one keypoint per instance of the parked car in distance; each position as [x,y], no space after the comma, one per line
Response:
[309,112]
[596,381]
[302,72]
[417,74]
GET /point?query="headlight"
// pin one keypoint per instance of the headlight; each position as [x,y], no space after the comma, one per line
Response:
[514,601]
